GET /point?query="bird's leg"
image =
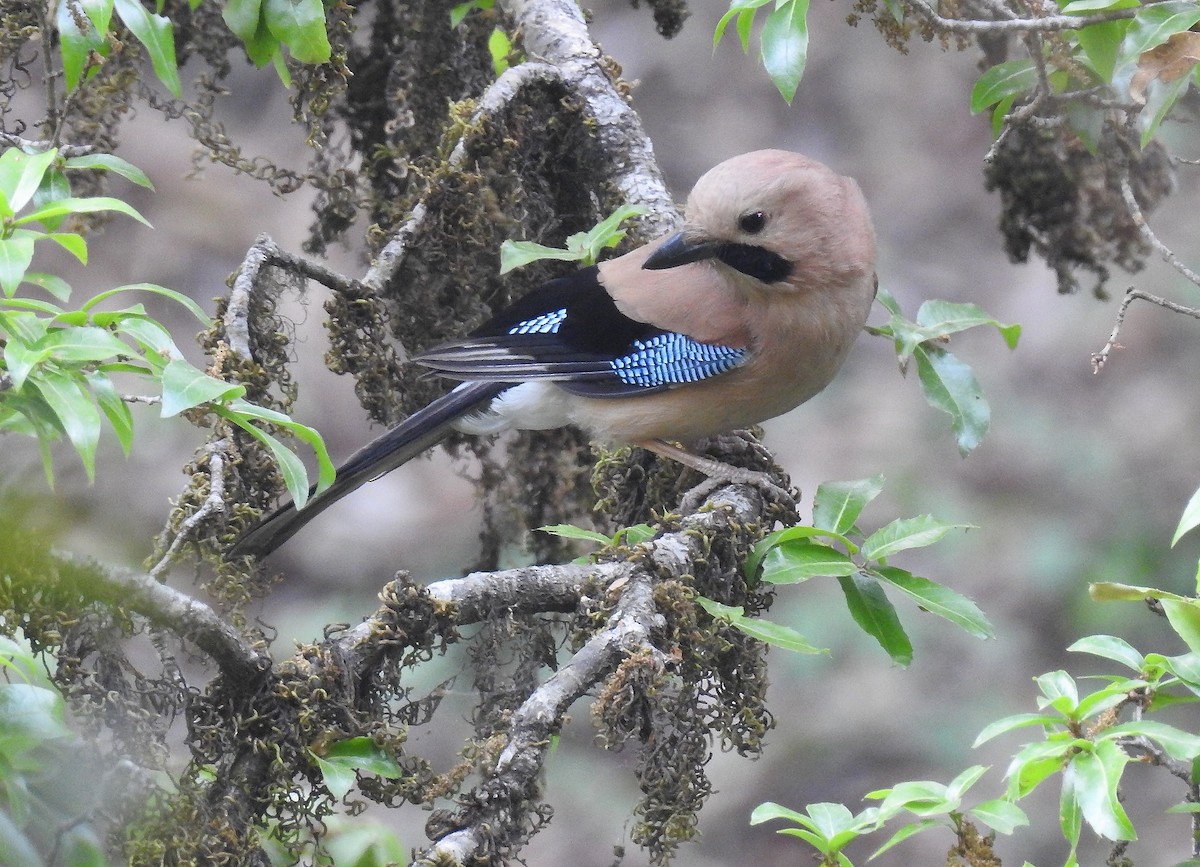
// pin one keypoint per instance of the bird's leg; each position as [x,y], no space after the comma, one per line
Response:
[719,473]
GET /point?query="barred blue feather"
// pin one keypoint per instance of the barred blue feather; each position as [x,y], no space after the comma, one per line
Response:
[672,359]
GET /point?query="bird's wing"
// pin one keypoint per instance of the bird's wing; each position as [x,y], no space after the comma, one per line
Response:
[570,331]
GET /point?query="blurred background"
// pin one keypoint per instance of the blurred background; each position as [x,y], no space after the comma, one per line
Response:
[1083,477]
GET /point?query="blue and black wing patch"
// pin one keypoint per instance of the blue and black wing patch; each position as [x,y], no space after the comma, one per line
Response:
[570,331]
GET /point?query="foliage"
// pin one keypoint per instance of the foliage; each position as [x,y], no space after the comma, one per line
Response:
[833,546]
[39,815]
[783,41]
[1083,743]
[582,247]
[948,383]
[59,363]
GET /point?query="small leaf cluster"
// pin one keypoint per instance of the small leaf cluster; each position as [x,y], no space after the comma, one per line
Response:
[86,37]
[1082,742]
[340,763]
[266,27]
[830,828]
[783,40]
[582,247]
[947,382]
[59,365]
[1148,60]
[834,547]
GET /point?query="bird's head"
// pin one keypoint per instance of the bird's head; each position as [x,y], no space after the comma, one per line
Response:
[778,218]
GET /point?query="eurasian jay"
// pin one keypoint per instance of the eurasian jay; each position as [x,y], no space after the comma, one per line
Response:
[745,313]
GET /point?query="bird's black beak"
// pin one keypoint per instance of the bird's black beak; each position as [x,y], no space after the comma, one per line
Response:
[679,250]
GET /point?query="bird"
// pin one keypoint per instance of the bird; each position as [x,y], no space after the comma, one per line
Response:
[745,312]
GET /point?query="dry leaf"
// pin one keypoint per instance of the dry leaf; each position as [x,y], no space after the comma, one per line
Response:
[1170,61]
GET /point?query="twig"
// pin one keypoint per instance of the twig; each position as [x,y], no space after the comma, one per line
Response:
[1132,294]
[1139,220]
[266,253]
[213,503]
[1049,24]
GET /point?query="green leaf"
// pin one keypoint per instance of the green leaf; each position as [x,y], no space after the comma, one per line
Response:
[1154,24]
[499,48]
[1012,723]
[1184,617]
[110,163]
[762,630]
[75,42]
[605,234]
[939,600]
[243,17]
[72,205]
[1109,591]
[185,386]
[72,243]
[75,410]
[460,11]
[362,753]
[837,505]
[905,533]
[1011,78]
[907,831]
[344,758]
[950,386]
[29,716]
[1110,647]
[300,25]
[570,531]
[769,810]
[517,254]
[157,34]
[796,561]
[307,435]
[1089,7]
[1161,97]
[21,175]
[769,632]
[1035,764]
[338,779]
[80,345]
[940,319]
[784,45]
[295,477]
[1190,519]
[1178,744]
[1001,815]
[151,336]
[875,615]
[52,283]
[154,289]
[1058,689]
[16,252]
[114,408]
[919,797]
[778,537]
[1097,776]
[740,10]
[1101,43]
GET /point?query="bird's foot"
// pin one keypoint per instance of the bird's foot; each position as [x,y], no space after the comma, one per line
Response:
[720,473]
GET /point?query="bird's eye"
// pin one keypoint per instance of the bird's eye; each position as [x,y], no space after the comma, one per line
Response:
[753,222]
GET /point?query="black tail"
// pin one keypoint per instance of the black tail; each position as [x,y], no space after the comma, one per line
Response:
[423,429]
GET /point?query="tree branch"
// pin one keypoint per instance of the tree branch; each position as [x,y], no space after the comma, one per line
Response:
[1049,23]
